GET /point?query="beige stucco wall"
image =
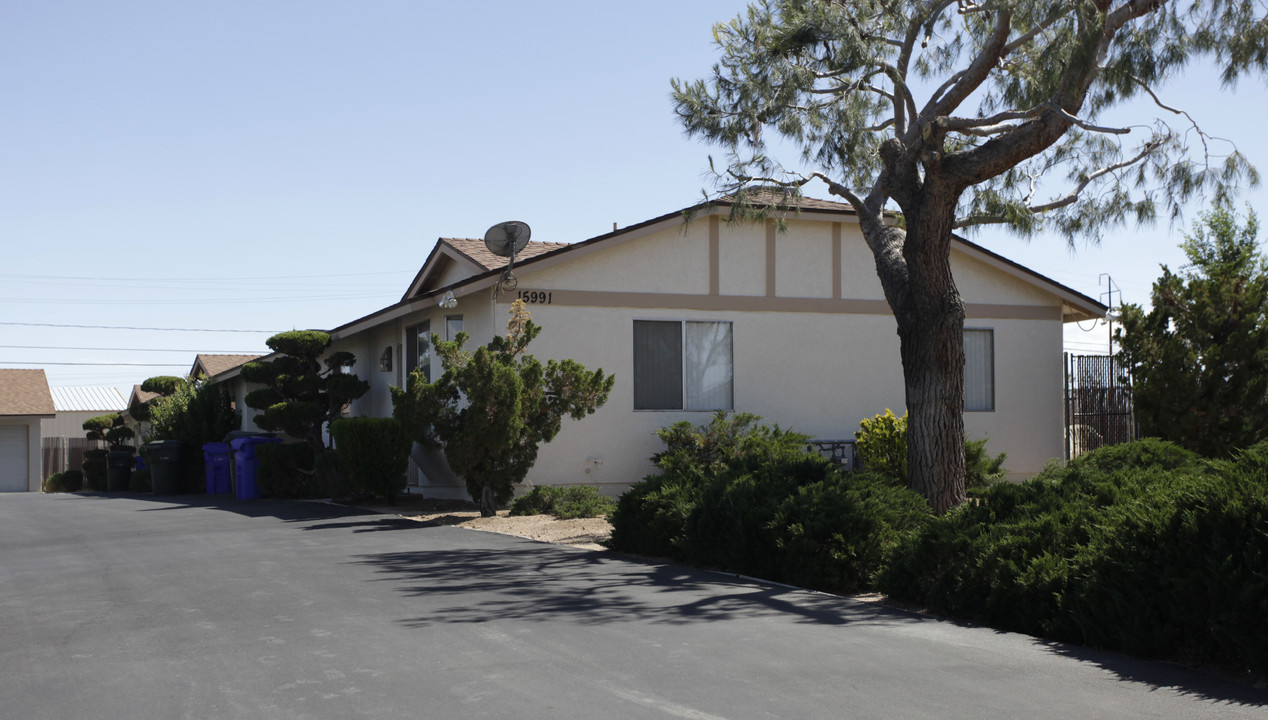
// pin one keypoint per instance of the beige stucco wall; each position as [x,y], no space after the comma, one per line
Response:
[800,360]
[34,454]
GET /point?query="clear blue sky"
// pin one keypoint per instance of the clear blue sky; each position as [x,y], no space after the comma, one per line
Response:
[278,165]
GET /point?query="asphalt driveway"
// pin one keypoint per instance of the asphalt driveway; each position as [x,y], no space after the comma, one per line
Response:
[203,607]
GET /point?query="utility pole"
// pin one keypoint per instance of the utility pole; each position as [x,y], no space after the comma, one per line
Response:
[1108,296]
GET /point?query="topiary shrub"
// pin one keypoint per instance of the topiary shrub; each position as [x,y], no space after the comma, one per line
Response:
[565,503]
[374,454]
[281,471]
[95,469]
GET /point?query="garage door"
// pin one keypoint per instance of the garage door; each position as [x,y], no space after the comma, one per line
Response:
[13,458]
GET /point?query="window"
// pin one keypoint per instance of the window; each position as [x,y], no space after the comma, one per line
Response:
[979,370]
[682,365]
[453,326]
[418,348]
[385,360]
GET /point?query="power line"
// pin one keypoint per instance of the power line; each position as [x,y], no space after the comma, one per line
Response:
[65,347]
[92,364]
[128,327]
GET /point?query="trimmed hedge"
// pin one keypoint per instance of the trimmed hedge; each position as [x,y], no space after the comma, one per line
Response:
[1141,548]
[374,454]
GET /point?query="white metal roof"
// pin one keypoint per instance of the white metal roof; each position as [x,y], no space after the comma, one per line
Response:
[88,399]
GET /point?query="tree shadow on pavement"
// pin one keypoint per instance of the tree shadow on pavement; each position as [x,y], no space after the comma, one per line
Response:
[1205,684]
[532,581]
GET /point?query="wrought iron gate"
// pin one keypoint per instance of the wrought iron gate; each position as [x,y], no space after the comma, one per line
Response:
[1098,404]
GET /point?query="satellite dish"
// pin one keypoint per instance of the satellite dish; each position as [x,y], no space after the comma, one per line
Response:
[507,238]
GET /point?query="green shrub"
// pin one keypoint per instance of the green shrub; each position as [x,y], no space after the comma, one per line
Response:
[140,481]
[730,526]
[831,535]
[575,501]
[95,470]
[285,470]
[330,479]
[374,454]
[980,469]
[1150,453]
[881,443]
[1139,549]
[69,481]
[651,518]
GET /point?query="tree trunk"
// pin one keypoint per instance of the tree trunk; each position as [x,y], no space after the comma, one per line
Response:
[931,330]
[488,501]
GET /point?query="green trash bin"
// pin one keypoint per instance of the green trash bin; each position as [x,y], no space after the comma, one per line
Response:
[165,466]
[118,470]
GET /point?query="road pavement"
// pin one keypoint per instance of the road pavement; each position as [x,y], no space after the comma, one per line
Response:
[207,607]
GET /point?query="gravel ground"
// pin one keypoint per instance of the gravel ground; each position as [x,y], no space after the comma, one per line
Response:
[581,532]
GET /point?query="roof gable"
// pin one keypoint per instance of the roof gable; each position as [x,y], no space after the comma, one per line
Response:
[468,257]
[212,365]
[25,392]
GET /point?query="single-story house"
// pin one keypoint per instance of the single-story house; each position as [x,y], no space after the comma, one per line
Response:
[695,314]
[64,439]
[136,400]
[25,402]
[210,365]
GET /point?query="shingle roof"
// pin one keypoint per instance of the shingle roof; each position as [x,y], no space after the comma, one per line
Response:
[216,364]
[88,399]
[475,251]
[142,396]
[25,392]
[774,197]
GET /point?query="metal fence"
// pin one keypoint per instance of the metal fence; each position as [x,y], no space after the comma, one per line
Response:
[1098,404]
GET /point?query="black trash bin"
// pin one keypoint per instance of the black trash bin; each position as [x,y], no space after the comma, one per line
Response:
[118,470]
[165,466]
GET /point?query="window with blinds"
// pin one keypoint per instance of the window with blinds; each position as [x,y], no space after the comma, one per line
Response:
[979,370]
[683,365]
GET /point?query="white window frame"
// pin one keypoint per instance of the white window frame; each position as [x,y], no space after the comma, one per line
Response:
[987,374]
[686,371]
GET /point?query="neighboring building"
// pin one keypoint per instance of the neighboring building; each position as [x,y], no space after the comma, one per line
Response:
[25,403]
[137,399]
[693,314]
[213,365]
[64,439]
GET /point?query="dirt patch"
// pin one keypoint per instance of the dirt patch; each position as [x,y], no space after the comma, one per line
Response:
[587,533]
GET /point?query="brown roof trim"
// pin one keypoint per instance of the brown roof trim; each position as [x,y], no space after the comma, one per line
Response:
[807,205]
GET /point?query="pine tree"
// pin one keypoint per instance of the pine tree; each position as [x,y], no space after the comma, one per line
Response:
[877,100]
[1198,359]
[491,409]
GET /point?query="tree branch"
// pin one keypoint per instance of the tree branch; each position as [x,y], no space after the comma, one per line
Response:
[1069,198]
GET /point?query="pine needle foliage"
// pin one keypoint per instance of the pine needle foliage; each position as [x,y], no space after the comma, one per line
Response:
[935,116]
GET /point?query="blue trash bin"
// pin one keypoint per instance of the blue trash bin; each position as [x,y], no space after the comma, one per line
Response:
[216,458]
[245,464]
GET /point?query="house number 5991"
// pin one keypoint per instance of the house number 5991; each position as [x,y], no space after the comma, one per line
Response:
[535,297]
